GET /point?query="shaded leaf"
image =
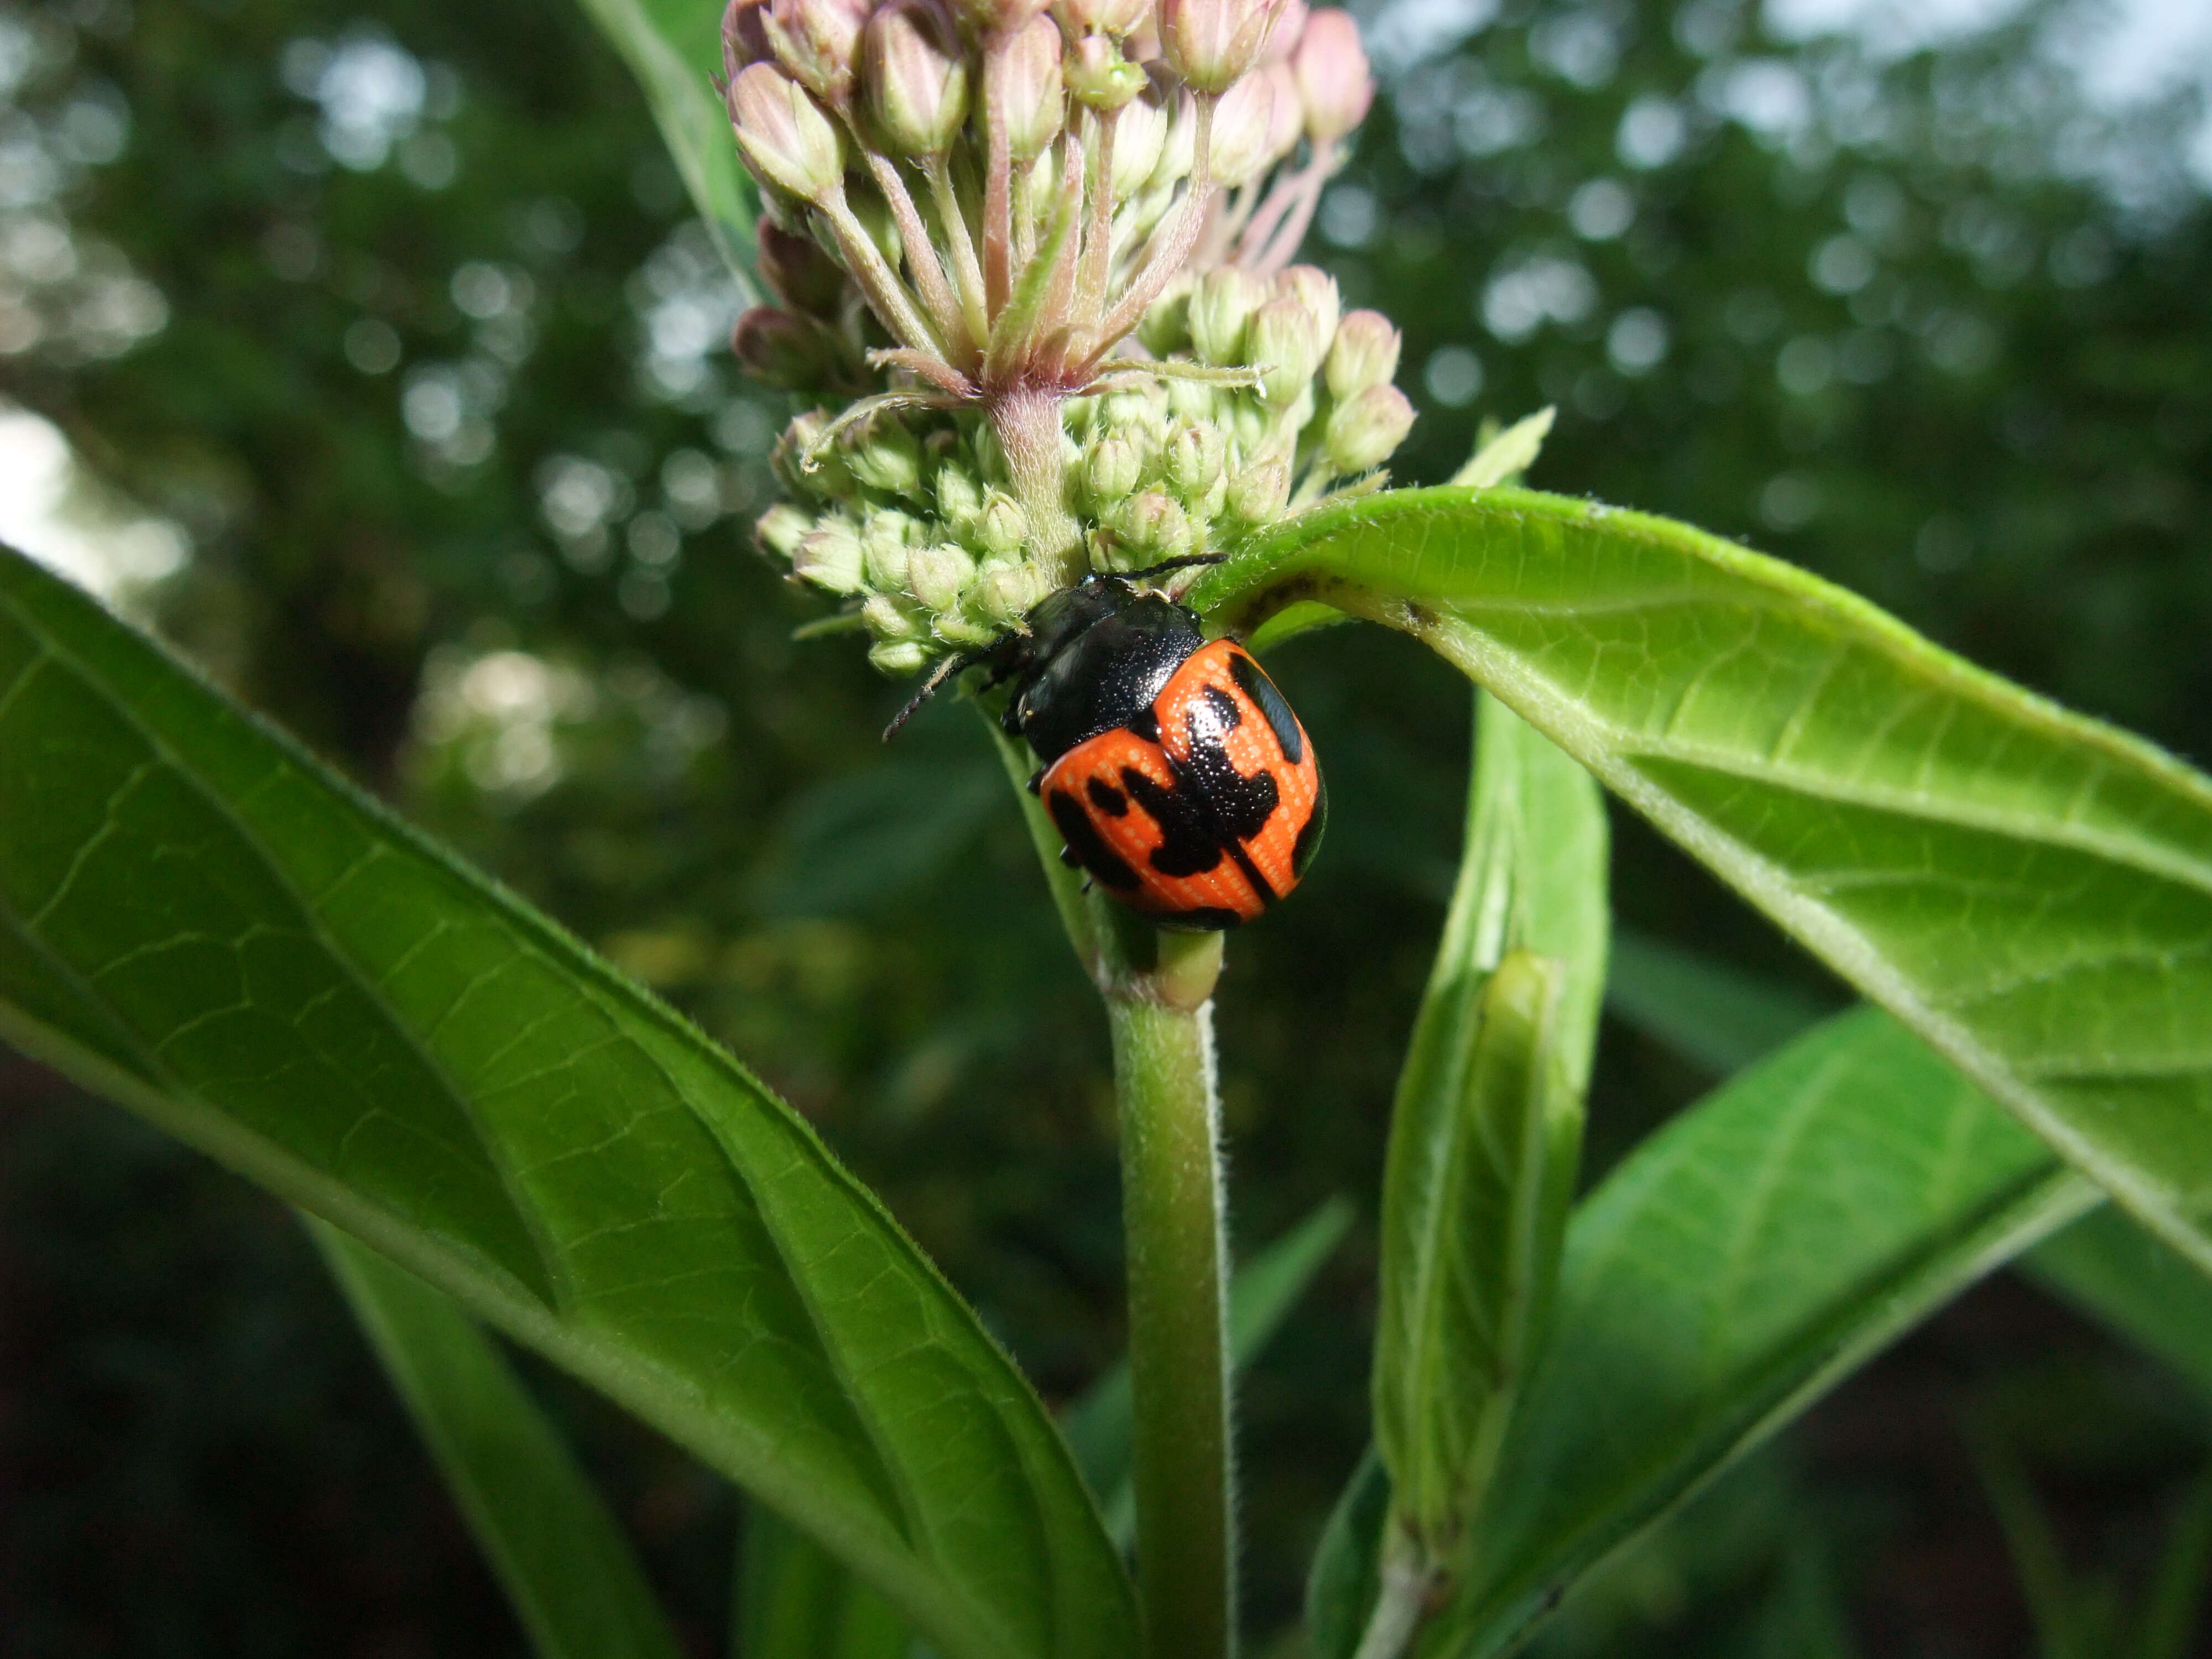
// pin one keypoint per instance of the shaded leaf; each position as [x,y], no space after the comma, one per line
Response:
[1342,1586]
[795,1601]
[1705,1010]
[1733,1269]
[559,1556]
[2030,890]
[199,921]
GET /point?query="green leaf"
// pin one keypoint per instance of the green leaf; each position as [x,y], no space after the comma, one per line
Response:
[1734,1268]
[1486,1127]
[1705,1010]
[1261,1297]
[199,921]
[2030,890]
[1503,458]
[1345,1580]
[558,1554]
[796,1602]
[674,47]
[2170,1611]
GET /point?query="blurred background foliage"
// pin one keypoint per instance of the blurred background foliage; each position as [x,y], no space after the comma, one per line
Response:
[395,370]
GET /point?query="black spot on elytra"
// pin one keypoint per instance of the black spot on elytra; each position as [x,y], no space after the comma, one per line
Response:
[1106,798]
[1224,708]
[1255,684]
[1188,845]
[1085,847]
[1239,807]
[1146,723]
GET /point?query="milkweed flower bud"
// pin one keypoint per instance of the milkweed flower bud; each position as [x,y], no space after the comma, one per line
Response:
[918,88]
[745,38]
[829,557]
[888,620]
[1111,17]
[1022,84]
[1283,38]
[1334,80]
[784,135]
[1194,457]
[1212,43]
[783,350]
[797,272]
[1363,432]
[984,20]
[783,527]
[1259,493]
[883,556]
[959,496]
[939,575]
[1285,345]
[1112,469]
[1243,124]
[1153,526]
[1221,305]
[1365,353]
[898,657]
[819,43]
[1004,593]
[1100,78]
[887,456]
[1314,289]
[1002,528]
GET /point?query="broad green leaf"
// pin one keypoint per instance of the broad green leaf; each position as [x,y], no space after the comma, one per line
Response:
[2029,890]
[1737,1265]
[2106,1264]
[199,921]
[1705,1010]
[558,1554]
[1487,1126]
[795,1601]
[674,47]
[1261,1297]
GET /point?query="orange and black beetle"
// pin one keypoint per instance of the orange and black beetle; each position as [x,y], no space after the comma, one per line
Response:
[1176,771]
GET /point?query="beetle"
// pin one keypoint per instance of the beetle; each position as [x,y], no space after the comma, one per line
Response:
[1176,774]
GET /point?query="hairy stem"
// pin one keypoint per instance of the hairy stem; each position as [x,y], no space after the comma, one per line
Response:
[1171,1209]
[1026,422]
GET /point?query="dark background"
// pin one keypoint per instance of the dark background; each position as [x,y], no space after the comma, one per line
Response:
[397,312]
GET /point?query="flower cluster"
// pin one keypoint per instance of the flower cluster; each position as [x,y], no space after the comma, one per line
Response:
[1037,265]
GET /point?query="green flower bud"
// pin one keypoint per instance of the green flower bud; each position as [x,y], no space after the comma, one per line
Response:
[784,136]
[1194,400]
[829,557]
[1221,304]
[959,497]
[1139,131]
[1021,87]
[887,619]
[898,657]
[1259,493]
[1152,527]
[917,80]
[819,42]
[1194,457]
[939,575]
[1362,431]
[826,480]
[883,554]
[886,456]
[1002,528]
[1365,355]
[1004,593]
[781,528]
[964,632]
[1110,471]
[1100,78]
[1283,341]
[1314,289]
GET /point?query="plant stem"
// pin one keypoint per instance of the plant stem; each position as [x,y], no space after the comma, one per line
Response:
[1172,1219]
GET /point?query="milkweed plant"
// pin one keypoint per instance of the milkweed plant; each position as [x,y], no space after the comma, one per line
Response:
[1073,434]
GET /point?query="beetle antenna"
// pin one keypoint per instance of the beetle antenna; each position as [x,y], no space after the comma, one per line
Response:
[943,672]
[1189,561]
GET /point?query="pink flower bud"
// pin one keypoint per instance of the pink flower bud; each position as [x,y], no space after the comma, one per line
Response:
[1138,134]
[745,38]
[1021,87]
[797,272]
[1363,432]
[1100,76]
[1112,17]
[780,349]
[1314,289]
[1153,527]
[1212,43]
[1333,79]
[1365,353]
[1242,125]
[818,41]
[1259,493]
[917,82]
[987,20]
[829,558]
[784,136]
[1283,38]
